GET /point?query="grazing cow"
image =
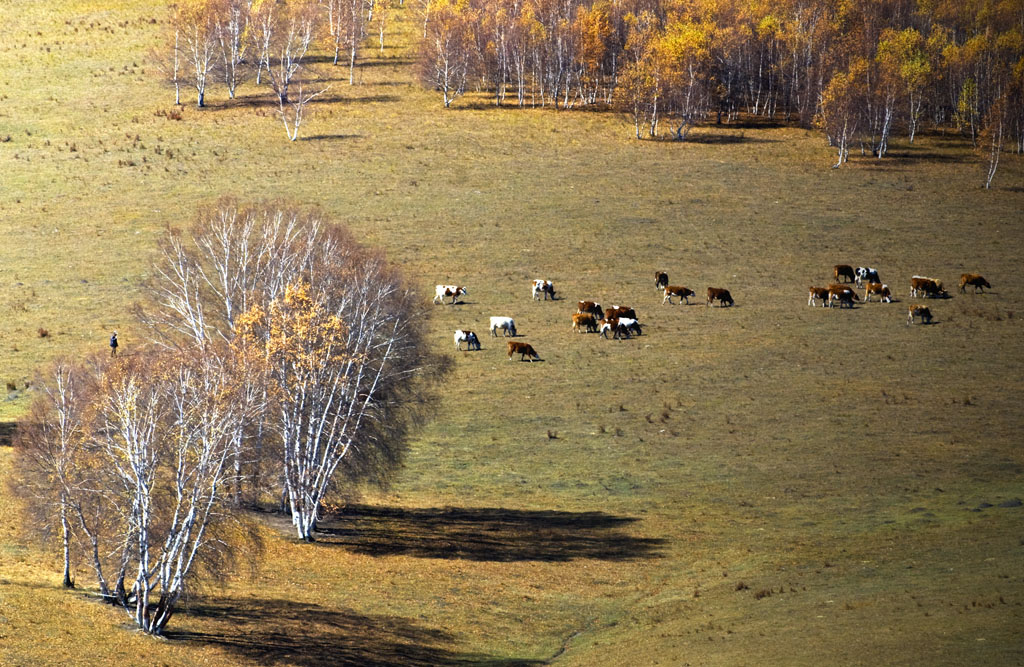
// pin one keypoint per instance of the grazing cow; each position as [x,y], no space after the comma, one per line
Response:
[472,342]
[628,325]
[581,320]
[883,292]
[591,307]
[660,279]
[523,350]
[721,295]
[545,287]
[919,311]
[441,292]
[866,274]
[619,311]
[506,324]
[922,286]
[844,295]
[844,271]
[676,290]
[975,281]
[817,293]
[609,325]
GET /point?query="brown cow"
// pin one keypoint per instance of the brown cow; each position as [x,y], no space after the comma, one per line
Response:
[721,295]
[844,271]
[817,293]
[676,290]
[592,307]
[660,279]
[523,350]
[844,295]
[581,320]
[923,286]
[615,312]
[975,280]
[883,292]
[919,311]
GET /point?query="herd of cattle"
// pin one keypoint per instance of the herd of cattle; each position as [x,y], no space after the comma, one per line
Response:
[622,322]
[590,317]
[867,279]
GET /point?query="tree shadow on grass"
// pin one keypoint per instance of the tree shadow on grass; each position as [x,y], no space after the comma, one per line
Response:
[276,631]
[7,433]
[486,534]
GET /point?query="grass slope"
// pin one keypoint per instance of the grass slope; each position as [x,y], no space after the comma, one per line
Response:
[768,483]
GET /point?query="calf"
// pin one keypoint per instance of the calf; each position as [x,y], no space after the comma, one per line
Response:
[472,342]
[866,274]
[720,295]
[523,350]
[844,295]
[591,307]
[506,324]
[545,287]
[919,311]
[883,292]
[975,281]
[581,320]
[619,311]
[609,325]
[922,286]
[817,293]
[441,292]
[844,271]
[660,279]
[675,290]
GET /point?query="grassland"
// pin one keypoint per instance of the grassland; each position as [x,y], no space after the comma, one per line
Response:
[768,483]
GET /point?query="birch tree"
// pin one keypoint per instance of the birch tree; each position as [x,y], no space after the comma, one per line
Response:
[196,37]
[48,453]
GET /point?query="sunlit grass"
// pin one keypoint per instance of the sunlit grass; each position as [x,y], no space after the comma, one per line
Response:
[830,461]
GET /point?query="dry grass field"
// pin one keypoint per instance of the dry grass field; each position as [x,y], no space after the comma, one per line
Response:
[763,484]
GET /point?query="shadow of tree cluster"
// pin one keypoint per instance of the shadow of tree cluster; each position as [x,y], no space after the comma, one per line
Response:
[485,534]
[275,631]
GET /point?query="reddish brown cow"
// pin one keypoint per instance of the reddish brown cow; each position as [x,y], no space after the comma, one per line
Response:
[523,350]
[844,271]
[844,295]
[616,312]
[975,280]
[923,286]
[581,320]
[720,295]
[683,293]
[592,307]
[882,291]
[919,311]
[817,293]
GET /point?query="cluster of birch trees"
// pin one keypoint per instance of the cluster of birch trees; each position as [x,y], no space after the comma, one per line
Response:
[286,363]
[268,41]
[861,68]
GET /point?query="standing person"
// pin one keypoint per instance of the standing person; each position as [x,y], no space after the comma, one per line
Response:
[113,344]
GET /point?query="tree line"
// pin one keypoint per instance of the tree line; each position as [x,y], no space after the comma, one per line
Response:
[286,364]
[860,69]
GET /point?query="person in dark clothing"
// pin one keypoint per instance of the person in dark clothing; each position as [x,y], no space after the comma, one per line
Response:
[113,344]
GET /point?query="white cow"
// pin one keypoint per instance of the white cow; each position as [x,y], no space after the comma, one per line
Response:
[545,287]
[507,324]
